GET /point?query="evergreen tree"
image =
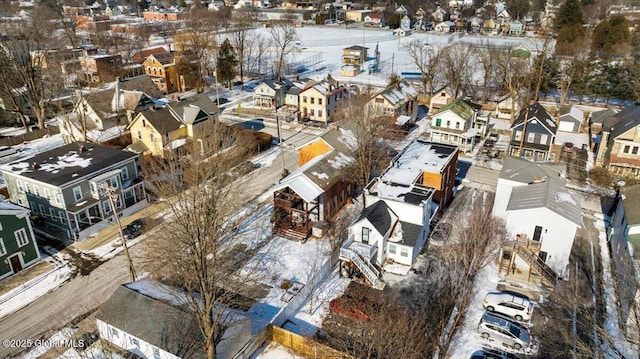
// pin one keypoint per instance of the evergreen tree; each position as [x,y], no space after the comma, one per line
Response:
[569,13]
[610,35]
[226,63]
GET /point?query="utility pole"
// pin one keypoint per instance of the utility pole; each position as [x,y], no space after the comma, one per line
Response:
[285,172]
[111,195]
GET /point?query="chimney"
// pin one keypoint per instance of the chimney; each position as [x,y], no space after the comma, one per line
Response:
[81,149]
[35,165]
[152,108]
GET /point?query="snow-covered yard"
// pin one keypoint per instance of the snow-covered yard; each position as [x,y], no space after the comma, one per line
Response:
[275,351]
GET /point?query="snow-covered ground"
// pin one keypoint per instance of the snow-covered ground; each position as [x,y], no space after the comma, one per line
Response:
[36,352]
[466,341]
[22,296]
[612,324]
[275,351]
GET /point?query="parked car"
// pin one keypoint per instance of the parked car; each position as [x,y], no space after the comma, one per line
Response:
[133,229]
[504,330]
[492,354]
[507,303]
[567,147]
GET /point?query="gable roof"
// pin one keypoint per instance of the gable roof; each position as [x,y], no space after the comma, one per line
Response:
[161,119]
[602,115]
[571,112]
[8,208]
[625,120]
[631,203]
[142,55]
[380,216]
[199,101]
[67,163]
[356,47]
[524,171]
[160,324]
[142,83]
[164,57]
[538,113]
[550,194]
[464,109]
[398,93]
[100,102]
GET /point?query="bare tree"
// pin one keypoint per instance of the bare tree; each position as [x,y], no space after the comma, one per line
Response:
[283,37]
[195,251]
[240,37]
[486,53]
[368,131]
[255,50]
[425,58]
[458,66]
[30,83]
[513,73]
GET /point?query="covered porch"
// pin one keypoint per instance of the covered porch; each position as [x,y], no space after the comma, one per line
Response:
[293,216]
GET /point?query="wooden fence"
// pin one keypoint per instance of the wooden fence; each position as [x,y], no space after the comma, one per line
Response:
[305,346]
[29,136]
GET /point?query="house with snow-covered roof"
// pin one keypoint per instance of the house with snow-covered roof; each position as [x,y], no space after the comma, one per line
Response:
[541,216]
[318,101]
[160,131]
[533,133]
[395,100]
[441,97]
[318,189]
[401,203]
[101,116]
[65,186]
[152,320]
[455,124]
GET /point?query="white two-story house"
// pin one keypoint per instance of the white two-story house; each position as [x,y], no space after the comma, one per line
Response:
[455,124]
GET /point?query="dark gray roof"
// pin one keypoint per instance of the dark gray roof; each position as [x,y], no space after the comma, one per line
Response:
[66,164]
[631,203]
[536,112]
[141,83]
[524,171]
[601,116]
[356,47]
[379,216]
[201,101]
[410,233]
[625,120]
[100,102]
[162,325]
[550,194]
[162,120]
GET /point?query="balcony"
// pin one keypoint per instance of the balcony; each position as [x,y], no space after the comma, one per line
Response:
[525,242]
[365,250]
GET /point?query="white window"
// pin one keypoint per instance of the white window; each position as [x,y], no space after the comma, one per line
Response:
[113,181]
[41,208]
[27,187]
[52,213]
[3,250]
[94,187]
[543,139]
[36,190]
[47,194]
[125,173]
[20,202]
[77,193]
[58,198]
[319,113]
[404,251]
[63,218]
[106,207]
[115,332]
[21,237]
[518,135]
[392,248]
[0,226]
[530,137]
[134,341]
[139,135]
[20,187]
[152,137]
[156,353]
[32,205]
[118,202]
[626,149]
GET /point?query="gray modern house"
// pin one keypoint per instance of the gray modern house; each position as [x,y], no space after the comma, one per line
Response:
[67,187]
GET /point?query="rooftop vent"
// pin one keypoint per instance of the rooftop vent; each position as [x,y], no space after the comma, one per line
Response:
[81,149]
[35,165]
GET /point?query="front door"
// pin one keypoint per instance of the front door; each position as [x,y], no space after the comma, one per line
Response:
[16,266]
[543,256]
[537,233]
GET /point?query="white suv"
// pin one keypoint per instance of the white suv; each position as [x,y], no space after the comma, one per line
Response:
[504,330]
[516,306]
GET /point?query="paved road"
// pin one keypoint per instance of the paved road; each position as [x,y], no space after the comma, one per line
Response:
[85,293]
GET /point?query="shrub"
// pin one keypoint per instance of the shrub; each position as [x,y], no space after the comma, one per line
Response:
[286,284]
[601,177]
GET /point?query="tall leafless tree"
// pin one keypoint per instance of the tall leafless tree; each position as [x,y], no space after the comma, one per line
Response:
[457,66]
[195,251]
[240,38]
[425,57]
[283,37]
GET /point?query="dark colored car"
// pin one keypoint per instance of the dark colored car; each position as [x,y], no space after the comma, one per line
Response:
[492,354]
[133,229]
[223,100]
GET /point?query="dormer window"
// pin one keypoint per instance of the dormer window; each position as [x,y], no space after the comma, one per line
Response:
[144,123]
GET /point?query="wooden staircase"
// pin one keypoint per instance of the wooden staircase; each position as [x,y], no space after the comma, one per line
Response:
[536,263]
[292,234]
